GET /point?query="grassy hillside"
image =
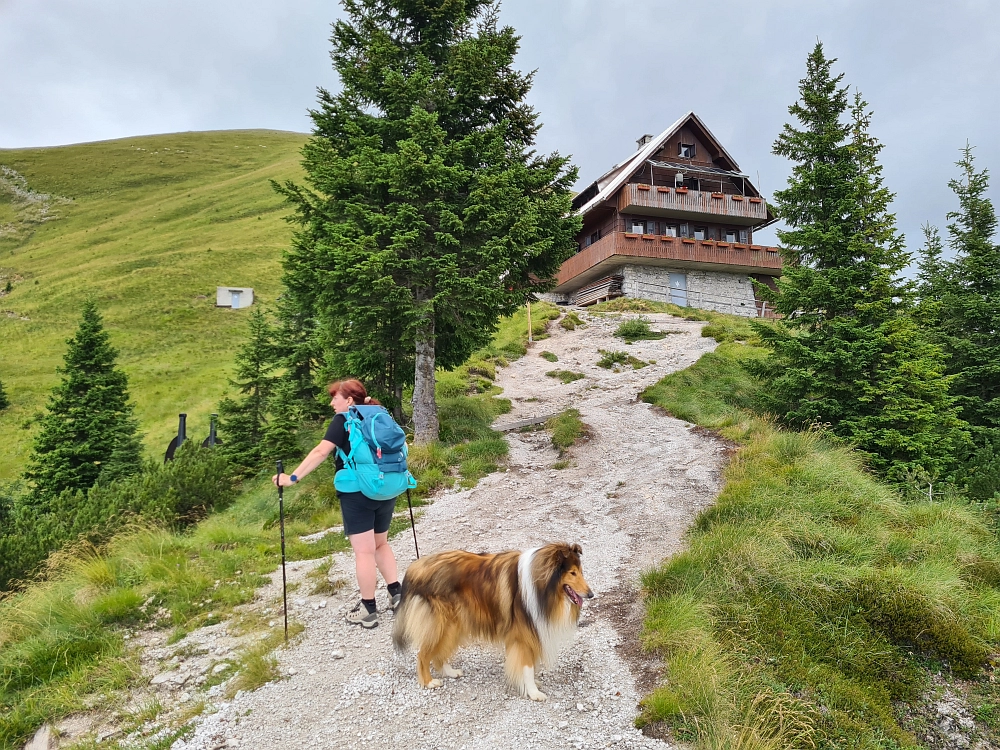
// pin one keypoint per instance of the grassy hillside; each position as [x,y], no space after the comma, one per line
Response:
[149,226]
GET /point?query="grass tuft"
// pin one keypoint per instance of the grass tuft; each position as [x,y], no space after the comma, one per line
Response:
[636,329]
[548,356]
[565,376]
[611,358]
[571,321]
[567,429]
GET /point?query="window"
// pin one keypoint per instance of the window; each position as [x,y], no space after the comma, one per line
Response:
[744,236]
[594,237]
[700,233]
[685,230]
[731,235]
[638,227]
[670,230]
[685,150]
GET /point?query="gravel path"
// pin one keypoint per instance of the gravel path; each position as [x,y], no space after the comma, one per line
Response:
[627,496]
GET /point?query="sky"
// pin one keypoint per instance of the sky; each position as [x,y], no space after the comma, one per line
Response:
[608,71]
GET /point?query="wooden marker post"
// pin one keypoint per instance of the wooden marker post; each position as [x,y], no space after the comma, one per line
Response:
[529,321]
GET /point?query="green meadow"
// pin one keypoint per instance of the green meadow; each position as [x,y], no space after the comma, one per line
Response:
[149,226]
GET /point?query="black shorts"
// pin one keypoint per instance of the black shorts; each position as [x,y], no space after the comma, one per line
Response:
[363,514]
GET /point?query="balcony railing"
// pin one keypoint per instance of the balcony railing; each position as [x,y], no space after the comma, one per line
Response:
[617,248]
[694,204]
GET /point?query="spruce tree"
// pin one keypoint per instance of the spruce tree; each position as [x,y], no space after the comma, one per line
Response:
[970,307]
[280,439]
[88,432]
[849,354]
[4,400]
[932,281]
[428,215]
[243,420]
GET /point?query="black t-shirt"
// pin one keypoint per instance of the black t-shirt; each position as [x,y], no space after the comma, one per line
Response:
[336,433]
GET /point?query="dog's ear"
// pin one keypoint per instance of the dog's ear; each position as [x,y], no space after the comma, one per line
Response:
[577,549]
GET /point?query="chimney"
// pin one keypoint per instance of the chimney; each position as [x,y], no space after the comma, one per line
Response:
[643,141]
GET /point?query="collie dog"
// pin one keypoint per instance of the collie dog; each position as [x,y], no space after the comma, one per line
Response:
[528,601]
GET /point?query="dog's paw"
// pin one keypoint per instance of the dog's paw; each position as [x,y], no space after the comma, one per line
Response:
[449,671]
[537,695]
[435,683]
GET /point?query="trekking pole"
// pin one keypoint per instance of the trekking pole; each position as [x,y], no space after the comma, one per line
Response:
[412,524]
[281,518]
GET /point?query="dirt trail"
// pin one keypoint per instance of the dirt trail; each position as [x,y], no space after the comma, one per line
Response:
[627,496]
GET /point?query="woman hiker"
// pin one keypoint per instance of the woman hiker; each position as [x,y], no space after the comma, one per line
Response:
[366,521]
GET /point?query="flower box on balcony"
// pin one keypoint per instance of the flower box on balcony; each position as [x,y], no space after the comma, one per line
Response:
[686,241]
[718,196]
[736,197]
[662,189]
[756,200]
[723,244]
[642,187]
[649,237]
[666,238]
[740,246]
[680,190]
[631,235]
[772,250]
[757,247]
[708,243]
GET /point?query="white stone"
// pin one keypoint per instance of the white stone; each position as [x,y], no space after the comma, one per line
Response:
[41,740]
[337,654]
[220,668]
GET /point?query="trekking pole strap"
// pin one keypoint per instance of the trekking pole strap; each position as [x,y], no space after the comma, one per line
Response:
[412,524]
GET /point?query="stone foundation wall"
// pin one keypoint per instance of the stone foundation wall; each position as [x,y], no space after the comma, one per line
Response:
[709,290]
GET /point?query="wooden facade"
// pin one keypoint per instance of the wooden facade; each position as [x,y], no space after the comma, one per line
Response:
[680,202]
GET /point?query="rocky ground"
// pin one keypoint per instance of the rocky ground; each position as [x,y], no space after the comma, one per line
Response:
[626,495]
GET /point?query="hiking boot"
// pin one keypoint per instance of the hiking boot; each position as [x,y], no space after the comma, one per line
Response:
[394,601]
[361,616]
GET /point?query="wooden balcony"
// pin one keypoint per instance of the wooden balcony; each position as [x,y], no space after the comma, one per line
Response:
[691,204]
[617,249]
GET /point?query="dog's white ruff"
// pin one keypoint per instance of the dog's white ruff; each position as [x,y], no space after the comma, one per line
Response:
[552,635]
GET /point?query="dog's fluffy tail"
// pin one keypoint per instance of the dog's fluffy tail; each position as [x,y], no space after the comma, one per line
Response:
[415,623]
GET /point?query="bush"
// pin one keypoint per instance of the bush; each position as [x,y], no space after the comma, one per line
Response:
[548,356]
[196,482]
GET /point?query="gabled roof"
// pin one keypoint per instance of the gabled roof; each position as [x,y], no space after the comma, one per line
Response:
[618,175]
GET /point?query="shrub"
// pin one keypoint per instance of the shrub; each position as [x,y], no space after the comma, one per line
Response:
[548,356]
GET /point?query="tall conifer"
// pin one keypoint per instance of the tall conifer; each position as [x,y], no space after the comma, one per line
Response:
[849,354]
[970,309]
[88,432]
[428,215]
[4,400]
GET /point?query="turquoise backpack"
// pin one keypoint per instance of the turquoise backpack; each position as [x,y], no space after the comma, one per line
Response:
[376,463]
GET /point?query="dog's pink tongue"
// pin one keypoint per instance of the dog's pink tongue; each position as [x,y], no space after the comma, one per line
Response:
[574,597]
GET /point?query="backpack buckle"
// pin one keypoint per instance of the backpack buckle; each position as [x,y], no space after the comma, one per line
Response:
[378,453]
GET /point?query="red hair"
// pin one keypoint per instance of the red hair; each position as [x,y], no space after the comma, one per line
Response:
[351,389]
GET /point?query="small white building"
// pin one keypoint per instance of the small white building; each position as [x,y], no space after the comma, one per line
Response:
[233,296]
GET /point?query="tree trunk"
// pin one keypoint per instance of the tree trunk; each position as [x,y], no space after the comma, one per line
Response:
[397,409]
[425,421]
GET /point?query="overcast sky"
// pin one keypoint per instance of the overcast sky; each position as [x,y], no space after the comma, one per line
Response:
[608,71]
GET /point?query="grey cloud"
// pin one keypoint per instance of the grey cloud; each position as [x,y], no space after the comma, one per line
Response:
[608,71]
